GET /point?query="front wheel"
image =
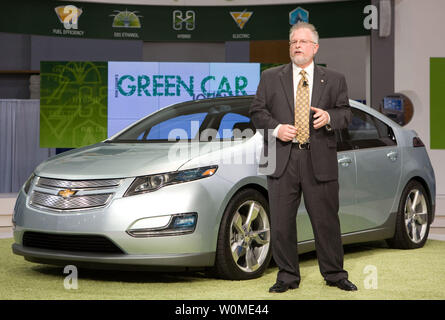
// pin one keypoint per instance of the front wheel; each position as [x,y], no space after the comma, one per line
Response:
[412,225]
[244,250]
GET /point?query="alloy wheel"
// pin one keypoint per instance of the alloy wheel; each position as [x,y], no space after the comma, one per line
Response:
[416,215]
[250,236]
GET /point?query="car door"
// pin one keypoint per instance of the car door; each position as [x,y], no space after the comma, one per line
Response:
[378,165]
[347,181]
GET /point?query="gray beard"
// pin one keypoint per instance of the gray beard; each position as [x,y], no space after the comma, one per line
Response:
[300,60]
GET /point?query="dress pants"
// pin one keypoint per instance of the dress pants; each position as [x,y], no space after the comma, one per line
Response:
[322,204]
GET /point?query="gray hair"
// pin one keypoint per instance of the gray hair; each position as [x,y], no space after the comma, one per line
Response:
[304,25]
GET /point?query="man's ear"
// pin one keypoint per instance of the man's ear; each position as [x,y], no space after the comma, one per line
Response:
[316,46]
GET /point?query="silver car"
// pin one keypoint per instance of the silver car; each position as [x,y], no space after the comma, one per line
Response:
[180,188]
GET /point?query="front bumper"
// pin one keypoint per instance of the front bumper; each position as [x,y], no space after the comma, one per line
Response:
[197,249]
[115,261]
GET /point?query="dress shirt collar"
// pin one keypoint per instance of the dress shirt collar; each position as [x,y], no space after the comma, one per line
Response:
[309,70]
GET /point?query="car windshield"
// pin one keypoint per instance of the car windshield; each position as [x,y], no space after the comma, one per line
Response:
[205,120]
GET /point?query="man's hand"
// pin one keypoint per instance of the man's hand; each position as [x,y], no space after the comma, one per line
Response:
[286,132]
[321,118]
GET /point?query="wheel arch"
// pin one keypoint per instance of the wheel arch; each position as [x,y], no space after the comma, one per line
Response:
[401,238]
[224,268]
[256,187]
[424,184]
[257,183]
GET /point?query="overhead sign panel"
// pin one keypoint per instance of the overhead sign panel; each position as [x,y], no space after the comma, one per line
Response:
[181,23]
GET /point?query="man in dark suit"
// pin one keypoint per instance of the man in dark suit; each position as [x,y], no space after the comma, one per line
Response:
[298,106]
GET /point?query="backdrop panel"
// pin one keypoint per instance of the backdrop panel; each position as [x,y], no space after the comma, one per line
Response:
[19,143]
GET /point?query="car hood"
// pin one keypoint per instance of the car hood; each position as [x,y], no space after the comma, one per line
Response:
[119,160]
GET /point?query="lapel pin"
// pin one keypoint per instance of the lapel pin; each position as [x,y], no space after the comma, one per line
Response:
[322,80]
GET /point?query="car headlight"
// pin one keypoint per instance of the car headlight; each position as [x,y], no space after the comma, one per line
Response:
[156,181]
[28,183]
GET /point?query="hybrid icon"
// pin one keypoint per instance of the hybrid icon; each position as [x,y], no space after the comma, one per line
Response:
[184,19]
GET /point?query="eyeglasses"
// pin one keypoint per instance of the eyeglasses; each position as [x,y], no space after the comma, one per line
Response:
[302,42]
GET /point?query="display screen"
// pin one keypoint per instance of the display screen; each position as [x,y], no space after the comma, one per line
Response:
[73,103]
[136,89]
[393,103]
[84,102]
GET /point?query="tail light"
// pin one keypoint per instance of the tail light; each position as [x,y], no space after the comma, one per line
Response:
[417,142]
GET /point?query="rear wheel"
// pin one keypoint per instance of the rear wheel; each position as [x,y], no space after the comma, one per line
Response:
[412,225]
[244,249]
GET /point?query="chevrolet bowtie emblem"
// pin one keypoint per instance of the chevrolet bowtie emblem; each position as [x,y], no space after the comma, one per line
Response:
[67,193]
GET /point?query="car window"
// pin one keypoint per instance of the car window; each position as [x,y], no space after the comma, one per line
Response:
[206,120]
[342,142]
[231,121]
[184,127]
[366,131]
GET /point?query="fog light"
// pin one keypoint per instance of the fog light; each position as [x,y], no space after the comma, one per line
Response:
[178,224]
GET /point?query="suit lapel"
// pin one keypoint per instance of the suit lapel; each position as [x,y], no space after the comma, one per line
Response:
[319,85]
[287,82]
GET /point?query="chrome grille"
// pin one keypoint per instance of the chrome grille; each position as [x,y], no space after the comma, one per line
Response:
[78,184]
[71,203]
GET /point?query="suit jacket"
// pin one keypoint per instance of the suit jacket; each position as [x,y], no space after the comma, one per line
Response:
[274,104]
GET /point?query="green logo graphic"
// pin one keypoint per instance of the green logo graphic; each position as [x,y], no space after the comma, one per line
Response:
[73,104]
[126,19]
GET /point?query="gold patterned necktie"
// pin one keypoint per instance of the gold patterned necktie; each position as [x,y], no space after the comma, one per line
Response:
[302,109]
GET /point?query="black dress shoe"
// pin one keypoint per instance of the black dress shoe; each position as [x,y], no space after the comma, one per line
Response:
[280,286]
[343,284]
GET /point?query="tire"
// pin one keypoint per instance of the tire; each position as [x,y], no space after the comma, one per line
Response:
[243,247]
[413,219]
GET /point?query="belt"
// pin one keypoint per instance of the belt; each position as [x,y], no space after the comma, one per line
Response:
[305,146]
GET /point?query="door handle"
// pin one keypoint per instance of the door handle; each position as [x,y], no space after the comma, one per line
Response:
[392,155]
[345,162]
